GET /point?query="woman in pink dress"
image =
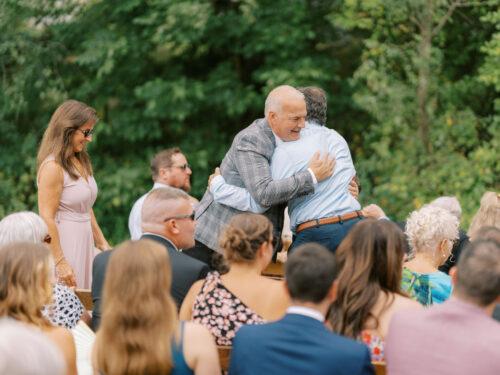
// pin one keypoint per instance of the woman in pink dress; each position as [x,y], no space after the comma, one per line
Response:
[67,190]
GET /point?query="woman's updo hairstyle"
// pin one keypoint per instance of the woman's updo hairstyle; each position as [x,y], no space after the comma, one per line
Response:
[244,235]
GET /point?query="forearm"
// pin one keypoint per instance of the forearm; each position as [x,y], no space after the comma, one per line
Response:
[233,196]
[55,242]
[99,238]
[255,172]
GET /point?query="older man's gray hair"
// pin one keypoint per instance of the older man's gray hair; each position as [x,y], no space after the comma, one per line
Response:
[450,204]
[24,226]
[274,100]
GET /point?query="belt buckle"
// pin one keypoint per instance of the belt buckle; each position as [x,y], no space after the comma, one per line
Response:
[318,224]
[340,219]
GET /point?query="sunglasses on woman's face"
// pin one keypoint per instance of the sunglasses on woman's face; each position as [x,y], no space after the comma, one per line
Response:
[87,132]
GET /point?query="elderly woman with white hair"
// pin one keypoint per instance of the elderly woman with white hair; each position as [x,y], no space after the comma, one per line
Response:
[431,232]
[27,226]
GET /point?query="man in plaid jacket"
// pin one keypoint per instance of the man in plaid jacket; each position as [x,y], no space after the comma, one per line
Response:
[246,164]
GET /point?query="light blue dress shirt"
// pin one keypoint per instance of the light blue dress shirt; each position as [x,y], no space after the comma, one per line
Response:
[331,196]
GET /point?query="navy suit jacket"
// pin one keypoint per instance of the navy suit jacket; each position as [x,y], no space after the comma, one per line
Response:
[185,271]
[297,344]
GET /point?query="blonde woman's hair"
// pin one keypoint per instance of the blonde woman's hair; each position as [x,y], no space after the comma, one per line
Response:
[487,215]
[57,139]
[139,316]
[244,235]
[428,226]
[25,282]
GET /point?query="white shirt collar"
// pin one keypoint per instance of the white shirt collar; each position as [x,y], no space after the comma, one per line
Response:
[165,238]
[306,311]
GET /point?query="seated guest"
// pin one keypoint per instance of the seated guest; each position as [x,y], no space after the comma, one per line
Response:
[431,232]
[140,332]
[19,342]
[26,270]
[458,337]
[168,219]
[66,309]
[453,206]
[370,262]
[243,295]
[493,234]
[300,343]
[487,215]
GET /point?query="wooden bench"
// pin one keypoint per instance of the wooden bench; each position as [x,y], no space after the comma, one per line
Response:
[85,298]
[275,270]
[224,357]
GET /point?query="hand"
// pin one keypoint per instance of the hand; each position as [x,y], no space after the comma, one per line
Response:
[65,273]
[322,167]
[213,175]
[353,188]
[103,245]
[373,211]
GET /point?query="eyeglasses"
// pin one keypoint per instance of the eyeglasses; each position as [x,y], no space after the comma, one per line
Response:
[183,167]
[47,239]
[190,217]
[87,132]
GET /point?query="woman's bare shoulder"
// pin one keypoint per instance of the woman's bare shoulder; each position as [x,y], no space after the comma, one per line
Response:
[402,302]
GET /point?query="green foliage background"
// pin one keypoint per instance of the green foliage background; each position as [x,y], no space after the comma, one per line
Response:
[194,73]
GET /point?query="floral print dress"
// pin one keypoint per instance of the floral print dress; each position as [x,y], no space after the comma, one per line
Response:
[220,311]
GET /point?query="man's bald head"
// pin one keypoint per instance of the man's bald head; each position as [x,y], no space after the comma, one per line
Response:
[160,204]
[285,112]
[280,95]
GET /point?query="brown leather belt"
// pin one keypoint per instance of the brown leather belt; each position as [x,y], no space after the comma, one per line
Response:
[329,220]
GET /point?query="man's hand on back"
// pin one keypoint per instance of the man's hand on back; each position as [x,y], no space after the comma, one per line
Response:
[322,167]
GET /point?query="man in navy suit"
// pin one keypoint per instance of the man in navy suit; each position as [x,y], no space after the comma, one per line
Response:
[299,343]
[167,218]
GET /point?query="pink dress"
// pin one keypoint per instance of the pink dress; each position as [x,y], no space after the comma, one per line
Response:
[74,225]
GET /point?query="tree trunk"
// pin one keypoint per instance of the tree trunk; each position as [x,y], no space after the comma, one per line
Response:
[424,50]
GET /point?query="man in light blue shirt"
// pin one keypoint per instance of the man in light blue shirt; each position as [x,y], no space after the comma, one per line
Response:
[331,200]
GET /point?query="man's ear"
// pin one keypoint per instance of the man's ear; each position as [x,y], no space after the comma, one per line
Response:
[271,117]
[287,292]
[453,275]
[164,173]
[171,227]
[332,293]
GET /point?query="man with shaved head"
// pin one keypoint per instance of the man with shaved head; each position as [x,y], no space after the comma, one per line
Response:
[167,218]
[247,165]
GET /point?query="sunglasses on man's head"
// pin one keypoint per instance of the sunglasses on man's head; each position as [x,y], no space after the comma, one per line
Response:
[190,217]
[87,132]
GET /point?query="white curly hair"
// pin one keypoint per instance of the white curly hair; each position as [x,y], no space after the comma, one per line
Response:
[428,226]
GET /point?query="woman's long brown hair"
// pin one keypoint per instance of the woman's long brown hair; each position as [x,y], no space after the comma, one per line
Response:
[25,282]
[370,261]
[56,141]
[139,316]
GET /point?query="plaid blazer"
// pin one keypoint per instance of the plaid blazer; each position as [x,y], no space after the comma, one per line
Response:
[246,164]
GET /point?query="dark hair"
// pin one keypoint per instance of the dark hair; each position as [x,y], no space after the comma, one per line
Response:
[56,141]
[370,261]
[488,233]
[244,235]
[163,159]
[316,104]
[309,273]
[478,272]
